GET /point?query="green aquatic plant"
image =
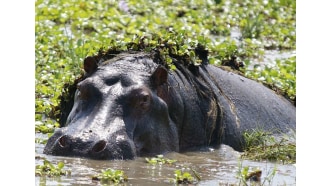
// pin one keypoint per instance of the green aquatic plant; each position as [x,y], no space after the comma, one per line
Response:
[46,127]
[48,169]
[227,52]
[244,175]
[111,176]
[159,159]
[252,177]
[252,27]
[255,137]
[184,177]
[41,141]
[281,78]
[272,23]
[260,145]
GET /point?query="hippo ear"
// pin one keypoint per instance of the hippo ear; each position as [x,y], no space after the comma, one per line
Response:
[90,64]
[159,76]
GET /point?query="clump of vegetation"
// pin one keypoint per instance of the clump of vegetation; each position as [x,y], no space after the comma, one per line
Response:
[41,141]
[169,46]
[246,176]
[48,169]
[281,78]
[160,160]
[260,145]
[184,177]
[181,177]
[46,127]
[111,176]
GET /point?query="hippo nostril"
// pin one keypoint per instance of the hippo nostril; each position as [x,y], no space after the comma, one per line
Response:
[99,146]
[62,141]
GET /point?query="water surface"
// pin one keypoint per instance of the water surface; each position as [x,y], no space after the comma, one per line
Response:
[215,167]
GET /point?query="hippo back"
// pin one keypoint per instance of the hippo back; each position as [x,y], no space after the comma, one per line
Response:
[130,104]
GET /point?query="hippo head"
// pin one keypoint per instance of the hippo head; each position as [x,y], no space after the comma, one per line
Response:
[118,112]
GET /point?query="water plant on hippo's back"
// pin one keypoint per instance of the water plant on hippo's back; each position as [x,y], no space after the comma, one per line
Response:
[130,104]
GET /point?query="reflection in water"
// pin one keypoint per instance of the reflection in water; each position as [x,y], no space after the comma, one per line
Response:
[216,167]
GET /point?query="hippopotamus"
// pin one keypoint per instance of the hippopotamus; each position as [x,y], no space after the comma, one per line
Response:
[130,104]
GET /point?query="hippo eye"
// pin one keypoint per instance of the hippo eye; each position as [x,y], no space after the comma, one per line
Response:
[145,98]
[112,80]
[87,90]
[140,99]
[83,92]
[144,102]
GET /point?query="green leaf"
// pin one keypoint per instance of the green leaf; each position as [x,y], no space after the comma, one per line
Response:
[60,165]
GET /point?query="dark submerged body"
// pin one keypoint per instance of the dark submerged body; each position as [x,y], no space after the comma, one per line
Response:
[132,106]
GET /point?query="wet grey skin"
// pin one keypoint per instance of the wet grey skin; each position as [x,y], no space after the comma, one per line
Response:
[131,106]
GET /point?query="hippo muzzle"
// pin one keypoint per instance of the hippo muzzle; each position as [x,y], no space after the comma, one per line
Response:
[87,144]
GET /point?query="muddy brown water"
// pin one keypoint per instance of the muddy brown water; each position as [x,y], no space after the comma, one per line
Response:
[215,167]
